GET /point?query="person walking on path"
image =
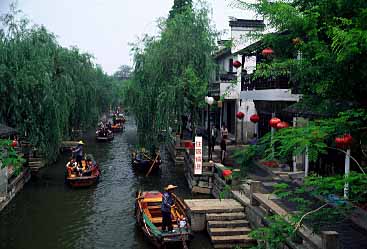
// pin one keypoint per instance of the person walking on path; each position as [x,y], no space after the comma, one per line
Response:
[223,150]
[213,136]
[224,132]
[78,152]
[167,205]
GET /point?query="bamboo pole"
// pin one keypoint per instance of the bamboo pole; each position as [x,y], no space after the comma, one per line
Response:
[151,167]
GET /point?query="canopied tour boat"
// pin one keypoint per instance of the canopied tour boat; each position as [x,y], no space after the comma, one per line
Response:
[149,218]
[104,134]
[118,127]
[86,175]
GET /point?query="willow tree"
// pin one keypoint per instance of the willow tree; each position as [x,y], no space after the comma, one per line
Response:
[46,90]
[171,72]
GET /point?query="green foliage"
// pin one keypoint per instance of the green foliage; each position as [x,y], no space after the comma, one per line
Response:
[318,202]
[332,39]
[46,90]
[171,73]
[316,136]
[273,235]
[9,157]
[179,6]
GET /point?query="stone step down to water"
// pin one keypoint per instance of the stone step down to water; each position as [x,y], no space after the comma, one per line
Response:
[221,231]
[213,206]
[227,223]
[225,216]
[224,221]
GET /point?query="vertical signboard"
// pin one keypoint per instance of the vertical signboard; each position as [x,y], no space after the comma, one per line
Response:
[198,166]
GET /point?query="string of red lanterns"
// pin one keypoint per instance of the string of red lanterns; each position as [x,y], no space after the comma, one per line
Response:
[273,122]
[282,125]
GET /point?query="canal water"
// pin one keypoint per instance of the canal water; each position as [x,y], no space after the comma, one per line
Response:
[48,214]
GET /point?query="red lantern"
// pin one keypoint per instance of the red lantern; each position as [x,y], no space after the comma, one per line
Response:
[348,139]
[255,118]
[189,145]
[282,125]
[14,143]
[240,115]
[267,52]
[237,64]
[345,140]
[274,122]
[226,173]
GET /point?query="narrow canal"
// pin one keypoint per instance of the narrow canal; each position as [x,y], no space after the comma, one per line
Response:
[48,214]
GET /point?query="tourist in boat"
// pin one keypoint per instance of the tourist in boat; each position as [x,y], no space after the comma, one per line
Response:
[71,166]
[167,205]
[78,152]
[182,222]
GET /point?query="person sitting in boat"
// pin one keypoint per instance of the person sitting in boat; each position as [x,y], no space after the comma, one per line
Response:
[88,167]
[182,222]
[167,204]
[71,167]
[78,152]
[79,170]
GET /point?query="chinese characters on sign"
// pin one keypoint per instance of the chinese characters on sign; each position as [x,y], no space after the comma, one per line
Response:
[198,166]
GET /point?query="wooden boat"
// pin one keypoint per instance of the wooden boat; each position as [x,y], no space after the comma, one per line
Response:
[149,218]
[120,118]
[103,135]
[89,177]
[118,127]
[144,163]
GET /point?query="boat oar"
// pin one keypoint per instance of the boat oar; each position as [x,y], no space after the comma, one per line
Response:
[151,167]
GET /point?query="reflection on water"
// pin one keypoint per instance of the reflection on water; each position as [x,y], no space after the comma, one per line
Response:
[48,214]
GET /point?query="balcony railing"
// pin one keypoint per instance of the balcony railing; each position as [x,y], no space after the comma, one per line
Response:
[226,77]
[280,82]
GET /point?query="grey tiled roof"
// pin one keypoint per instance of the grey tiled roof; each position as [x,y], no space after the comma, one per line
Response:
[247,23]
[6,131]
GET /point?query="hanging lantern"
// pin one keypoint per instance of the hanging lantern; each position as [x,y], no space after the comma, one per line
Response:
[240,115]
[282,125]
[348,139]
[255,118]
[14,143]
[274,122]
[344,141]
[267,52]
[237,64]
[226,173]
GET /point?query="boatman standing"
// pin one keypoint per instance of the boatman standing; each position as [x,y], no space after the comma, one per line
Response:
[78,152]
[167,204]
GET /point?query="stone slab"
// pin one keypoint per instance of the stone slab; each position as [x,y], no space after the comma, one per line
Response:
[214,205]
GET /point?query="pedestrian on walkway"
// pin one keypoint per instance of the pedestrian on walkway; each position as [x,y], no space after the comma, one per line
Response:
[213,137]
[223,149]
[224,132]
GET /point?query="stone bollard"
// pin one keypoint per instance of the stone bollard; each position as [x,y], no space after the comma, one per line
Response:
[330,240]
[255,187]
